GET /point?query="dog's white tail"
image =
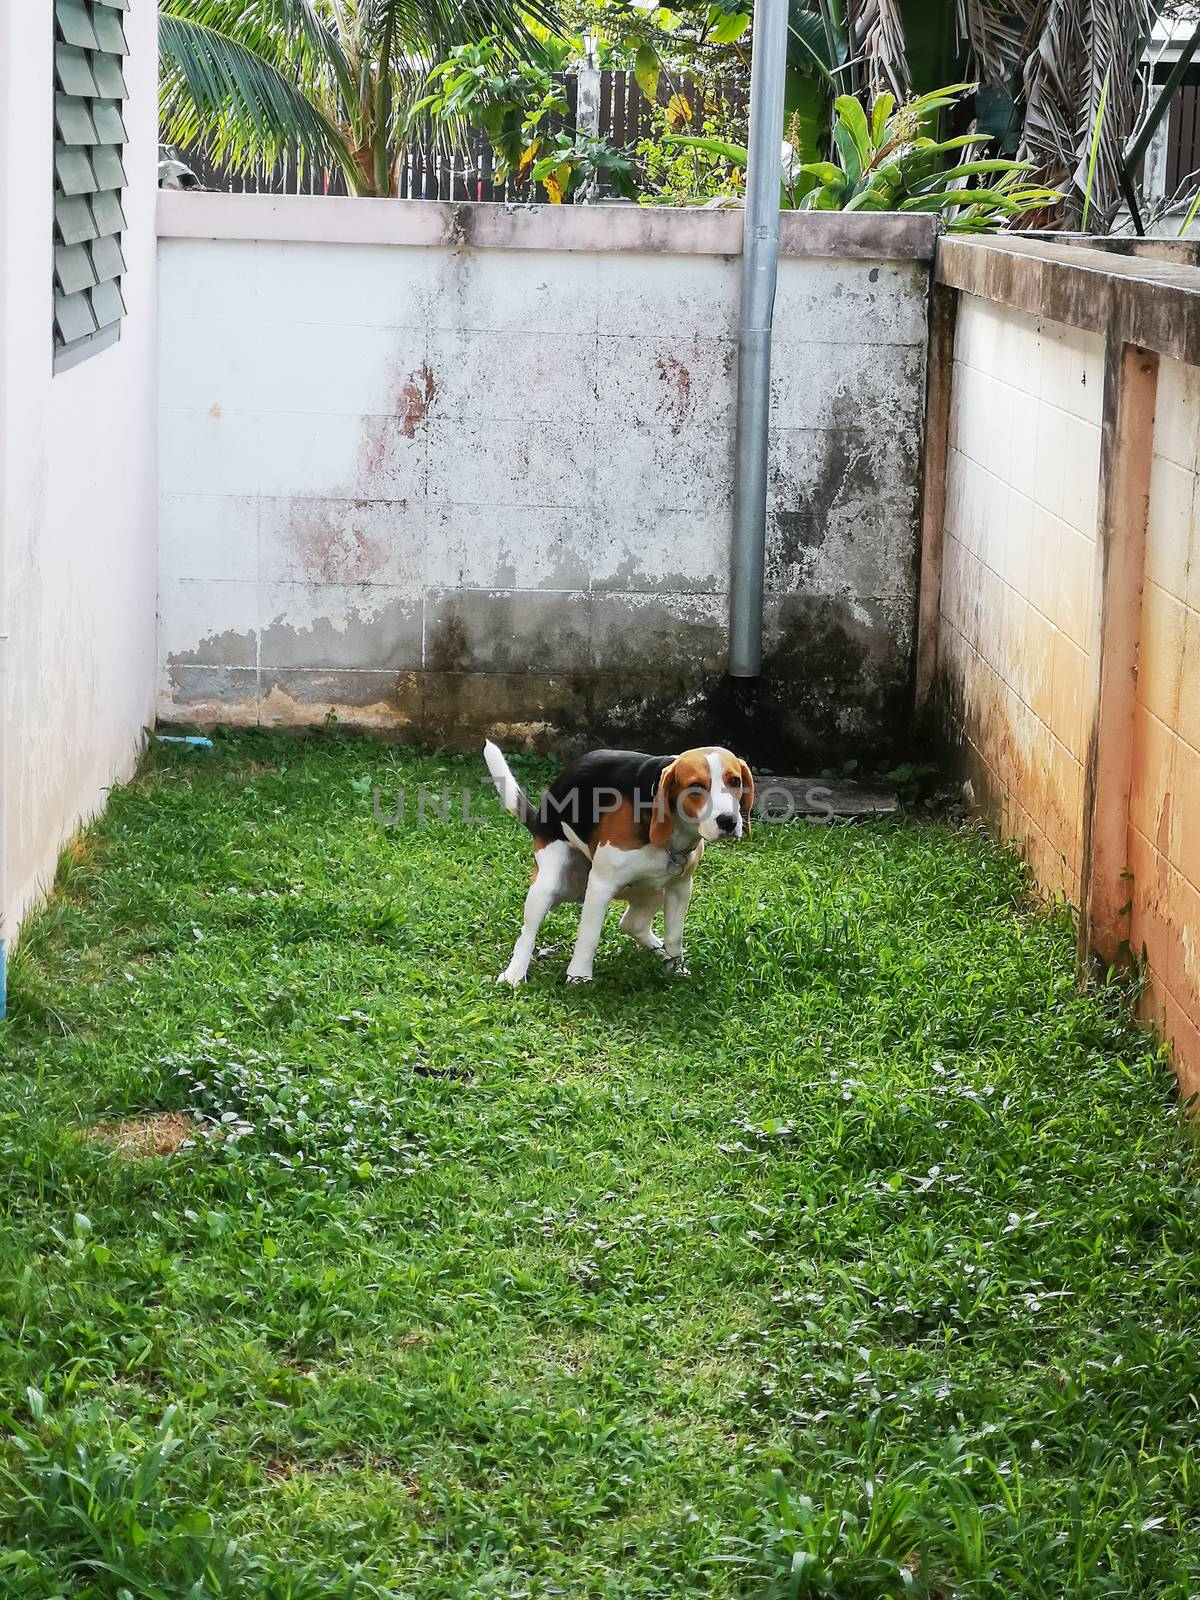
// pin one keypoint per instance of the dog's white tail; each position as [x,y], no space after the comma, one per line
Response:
[512,797]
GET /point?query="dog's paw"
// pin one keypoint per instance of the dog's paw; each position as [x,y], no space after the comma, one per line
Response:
[513,979]
[579,977]
[677,967]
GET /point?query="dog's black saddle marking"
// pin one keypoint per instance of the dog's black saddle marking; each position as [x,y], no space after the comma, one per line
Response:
[583,795]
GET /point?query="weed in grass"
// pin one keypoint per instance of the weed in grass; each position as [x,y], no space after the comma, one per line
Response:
[864,1262]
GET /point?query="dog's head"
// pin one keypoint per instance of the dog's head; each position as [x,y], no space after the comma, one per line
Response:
[708,792]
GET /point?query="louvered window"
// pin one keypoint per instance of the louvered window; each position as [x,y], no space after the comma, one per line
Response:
[89,136]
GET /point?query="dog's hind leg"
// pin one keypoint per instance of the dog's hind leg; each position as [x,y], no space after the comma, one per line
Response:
[639,917]
[550,885]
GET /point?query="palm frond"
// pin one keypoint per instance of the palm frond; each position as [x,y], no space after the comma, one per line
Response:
[293,35]
[1080,45]
[877,34]
[995,31]
[1053,73]
[401,40]
[240,102]
[330,80]
[1120,32]
[431,28]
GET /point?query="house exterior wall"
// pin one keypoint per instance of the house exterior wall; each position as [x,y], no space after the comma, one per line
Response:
[77,481]
[446,471]
[1020,536]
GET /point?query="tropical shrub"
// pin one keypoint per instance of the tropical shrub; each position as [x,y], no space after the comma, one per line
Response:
[887,161]
[523,109]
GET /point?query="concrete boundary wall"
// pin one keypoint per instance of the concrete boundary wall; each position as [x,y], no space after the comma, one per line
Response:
[604,229]
[447,470]
[1060,605]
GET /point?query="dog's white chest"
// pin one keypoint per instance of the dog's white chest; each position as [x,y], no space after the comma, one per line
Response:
[649,868]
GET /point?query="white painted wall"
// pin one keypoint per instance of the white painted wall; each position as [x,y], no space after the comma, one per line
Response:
[450,470]
[77,481]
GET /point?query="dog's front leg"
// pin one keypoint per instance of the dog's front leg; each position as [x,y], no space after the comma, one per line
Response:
[591,924]
[676,899]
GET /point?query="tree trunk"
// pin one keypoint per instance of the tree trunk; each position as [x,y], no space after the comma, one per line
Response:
[363,176]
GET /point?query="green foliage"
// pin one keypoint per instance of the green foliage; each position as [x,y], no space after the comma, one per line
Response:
[523,110]
[1094,152]
[887,163]
[255,80]
[693,37]
[683,171]
[863,1262]
[646,69]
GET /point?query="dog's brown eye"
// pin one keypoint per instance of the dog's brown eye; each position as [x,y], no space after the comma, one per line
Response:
[734,783]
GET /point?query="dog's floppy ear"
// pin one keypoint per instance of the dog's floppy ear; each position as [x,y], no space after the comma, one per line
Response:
[662,818]
[746,797]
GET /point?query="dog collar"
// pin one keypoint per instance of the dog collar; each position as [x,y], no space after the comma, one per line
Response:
[678,859]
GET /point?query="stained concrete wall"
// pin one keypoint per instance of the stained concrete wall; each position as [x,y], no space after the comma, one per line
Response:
[1068,659]
[454,470]
[78,508]
[1022,480]
[1164,819]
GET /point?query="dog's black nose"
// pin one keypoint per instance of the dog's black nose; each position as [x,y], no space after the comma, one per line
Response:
[727,822]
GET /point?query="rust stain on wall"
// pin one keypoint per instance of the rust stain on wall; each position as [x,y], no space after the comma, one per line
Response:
[416,396]
[678,380]
[372,455]
[334,549]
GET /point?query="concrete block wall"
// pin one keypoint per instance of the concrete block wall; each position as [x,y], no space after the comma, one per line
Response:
[1022,479]
[1164,812]
[1066,674]
[446,471]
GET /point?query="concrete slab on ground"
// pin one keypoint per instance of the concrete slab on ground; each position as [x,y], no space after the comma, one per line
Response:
[783,798]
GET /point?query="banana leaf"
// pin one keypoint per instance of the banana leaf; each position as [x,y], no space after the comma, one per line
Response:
[970,169]
[806,118]
[941,198]
[735,153]
[823,171]
[937,99]
[853,118]
[852,160]
[867,200]
[937,147]
[884,105]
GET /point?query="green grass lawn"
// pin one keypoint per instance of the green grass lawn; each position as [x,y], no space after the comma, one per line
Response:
[864,1261]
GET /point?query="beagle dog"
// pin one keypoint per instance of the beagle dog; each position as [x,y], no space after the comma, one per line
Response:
[619,825]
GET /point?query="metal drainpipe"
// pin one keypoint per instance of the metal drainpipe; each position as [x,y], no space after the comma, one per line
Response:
[760,258]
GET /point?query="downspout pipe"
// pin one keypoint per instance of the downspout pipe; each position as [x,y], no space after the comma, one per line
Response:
[760,260]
